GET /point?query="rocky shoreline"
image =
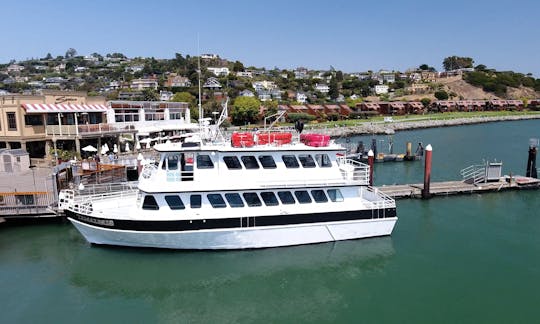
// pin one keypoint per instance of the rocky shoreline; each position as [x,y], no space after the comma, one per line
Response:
[392,127]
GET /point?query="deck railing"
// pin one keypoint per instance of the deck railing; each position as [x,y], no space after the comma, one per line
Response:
[376,198]
[354,171]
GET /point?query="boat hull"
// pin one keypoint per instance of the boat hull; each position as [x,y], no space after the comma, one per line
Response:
[239,238]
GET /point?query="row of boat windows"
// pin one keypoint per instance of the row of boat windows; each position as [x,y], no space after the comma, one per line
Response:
[251,162]
[251,199]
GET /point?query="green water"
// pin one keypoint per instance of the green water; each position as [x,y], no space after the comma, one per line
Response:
[468,259]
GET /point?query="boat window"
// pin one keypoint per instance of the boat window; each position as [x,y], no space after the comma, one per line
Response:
[204,162]
[290,161]
[306,160]
[150,203]
[170,162]
[216,200]
[335,195]
[286,197]
[175,202]
[319,196]
[232,162]
[252,199]
[195,201]
[250,162]
[267,161]
[323,160]
[269,198]
[302,196]
[234,200]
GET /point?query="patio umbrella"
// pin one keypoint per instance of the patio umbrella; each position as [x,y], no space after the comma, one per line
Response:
[115,148]
[104,150]
[127,146]
[138,145]
[89,148]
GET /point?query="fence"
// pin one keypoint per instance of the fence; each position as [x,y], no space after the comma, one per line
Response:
[15,204]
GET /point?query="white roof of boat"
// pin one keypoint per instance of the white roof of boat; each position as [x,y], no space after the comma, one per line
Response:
[227,147]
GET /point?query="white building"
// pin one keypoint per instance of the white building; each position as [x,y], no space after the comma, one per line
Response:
[141,84]
[165,95]
[301,97]
[322,88]
[381,89]
[219,71]
[244,74]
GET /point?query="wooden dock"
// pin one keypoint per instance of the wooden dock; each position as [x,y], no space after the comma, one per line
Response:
[447,188]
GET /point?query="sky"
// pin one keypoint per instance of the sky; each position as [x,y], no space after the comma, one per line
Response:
[349,35]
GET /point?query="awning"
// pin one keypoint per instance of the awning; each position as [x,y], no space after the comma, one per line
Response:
[60,108]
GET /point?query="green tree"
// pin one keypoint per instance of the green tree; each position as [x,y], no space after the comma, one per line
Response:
[333,91]
[339,76]
[185,97]
[441,95]
[425,102]
[150,95]
[238,66]
[70,53]
[271,107]
[457,62]
[245,110]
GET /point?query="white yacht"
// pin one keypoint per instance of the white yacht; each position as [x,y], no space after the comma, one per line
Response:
[257,190]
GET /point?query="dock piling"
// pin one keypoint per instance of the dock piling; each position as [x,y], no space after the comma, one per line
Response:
[371,159]
[531,161]
[427,172]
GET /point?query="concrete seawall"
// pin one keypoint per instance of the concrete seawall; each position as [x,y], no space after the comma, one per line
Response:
[367,128]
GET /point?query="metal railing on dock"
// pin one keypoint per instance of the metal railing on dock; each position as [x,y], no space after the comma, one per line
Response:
[21,204]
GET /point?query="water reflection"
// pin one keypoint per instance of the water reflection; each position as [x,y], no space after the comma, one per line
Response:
[292,279]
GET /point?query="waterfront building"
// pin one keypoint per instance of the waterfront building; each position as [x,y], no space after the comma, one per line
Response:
[36,123]
[71,120]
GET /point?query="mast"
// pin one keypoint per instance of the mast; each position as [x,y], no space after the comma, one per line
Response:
[200,101]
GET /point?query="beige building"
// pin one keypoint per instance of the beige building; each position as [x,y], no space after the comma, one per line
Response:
[36,123]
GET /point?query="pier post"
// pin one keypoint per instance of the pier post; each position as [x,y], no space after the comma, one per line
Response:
[427,172]
[371,159]
[531,162]
[408,153]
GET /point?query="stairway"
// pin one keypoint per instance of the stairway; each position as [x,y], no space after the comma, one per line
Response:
[474,174]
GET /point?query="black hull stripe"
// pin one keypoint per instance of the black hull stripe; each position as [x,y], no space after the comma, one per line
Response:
[236,222]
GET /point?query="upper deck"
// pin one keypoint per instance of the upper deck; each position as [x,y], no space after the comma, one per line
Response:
[200,166]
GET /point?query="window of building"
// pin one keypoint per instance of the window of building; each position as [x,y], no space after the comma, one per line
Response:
[216,200]
[306,160]
[33,120]
[234,200]
[150,203]
[319,196]
[204,162]
[267,161]
[290,161]
[232,162]
[323,160]
[302,196]
[175,202]
[25,199]
[12,121]
[286,197]
[250,162]
[195,201]
[252,199]
[335,195]
[269,198]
